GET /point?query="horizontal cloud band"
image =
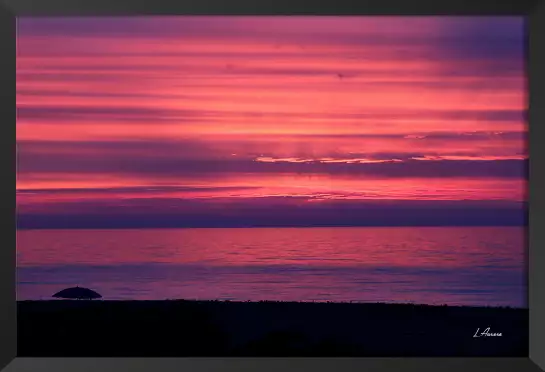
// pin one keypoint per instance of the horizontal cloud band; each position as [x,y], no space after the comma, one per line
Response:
[274,211]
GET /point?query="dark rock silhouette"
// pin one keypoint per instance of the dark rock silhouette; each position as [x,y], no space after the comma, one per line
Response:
[78,293]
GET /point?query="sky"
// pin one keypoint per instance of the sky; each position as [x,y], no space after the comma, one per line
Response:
[270,121]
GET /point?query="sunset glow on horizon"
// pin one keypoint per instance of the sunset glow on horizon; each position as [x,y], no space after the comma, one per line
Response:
[225,121]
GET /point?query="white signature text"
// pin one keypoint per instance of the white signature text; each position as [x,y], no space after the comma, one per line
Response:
[486,333]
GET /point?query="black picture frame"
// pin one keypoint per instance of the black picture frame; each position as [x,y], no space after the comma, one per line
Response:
[533,9]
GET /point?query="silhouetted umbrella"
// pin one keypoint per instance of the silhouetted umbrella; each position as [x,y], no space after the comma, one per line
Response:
[77,293]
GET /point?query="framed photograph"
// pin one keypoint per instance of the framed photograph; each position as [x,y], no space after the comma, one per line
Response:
[241,186]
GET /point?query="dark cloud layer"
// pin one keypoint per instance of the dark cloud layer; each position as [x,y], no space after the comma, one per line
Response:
[158,167]
[192,157]
[137,114]
[276,212]
[131,189]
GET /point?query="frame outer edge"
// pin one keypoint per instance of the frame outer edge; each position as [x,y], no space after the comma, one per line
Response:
[8,328]
[537,89]
[256,364]
[536,300]
[285,7]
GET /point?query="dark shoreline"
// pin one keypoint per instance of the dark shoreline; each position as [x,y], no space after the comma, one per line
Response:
[173,328]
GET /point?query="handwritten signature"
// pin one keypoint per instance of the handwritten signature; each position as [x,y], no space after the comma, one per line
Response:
[486,333]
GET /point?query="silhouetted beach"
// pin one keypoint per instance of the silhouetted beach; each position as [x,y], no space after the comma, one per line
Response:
[223,328]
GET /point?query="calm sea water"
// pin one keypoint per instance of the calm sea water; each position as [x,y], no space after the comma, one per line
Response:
[432,265]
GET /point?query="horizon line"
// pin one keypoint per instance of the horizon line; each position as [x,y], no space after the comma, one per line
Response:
[260,226]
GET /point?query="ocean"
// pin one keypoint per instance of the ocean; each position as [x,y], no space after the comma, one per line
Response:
[477,266]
